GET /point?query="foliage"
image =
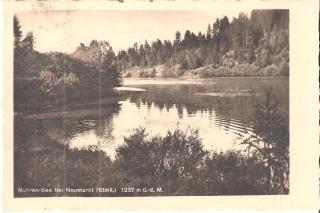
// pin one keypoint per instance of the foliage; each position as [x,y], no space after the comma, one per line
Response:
[178,155]
[28,42]
[60,167]
[270,140]
[143,74]
[173,71]
[153,73]
[97,54]
[53,79]
[56,87]
[234,173]
[179,162]
[16,32]
[255,41]
[146,73]
[176,162]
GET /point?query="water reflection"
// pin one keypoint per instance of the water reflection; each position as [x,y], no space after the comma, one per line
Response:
[156,107]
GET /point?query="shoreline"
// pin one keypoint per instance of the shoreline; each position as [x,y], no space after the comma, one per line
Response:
[198,78]
[204,72]
[67,109]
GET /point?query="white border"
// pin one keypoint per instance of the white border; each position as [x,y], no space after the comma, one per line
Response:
[304,114]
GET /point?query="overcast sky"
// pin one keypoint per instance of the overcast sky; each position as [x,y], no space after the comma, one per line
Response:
[64,31]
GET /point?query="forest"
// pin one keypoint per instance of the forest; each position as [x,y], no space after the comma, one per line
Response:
[47,80]
[255,46]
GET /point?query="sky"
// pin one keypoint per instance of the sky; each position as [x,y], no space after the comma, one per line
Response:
[63,31]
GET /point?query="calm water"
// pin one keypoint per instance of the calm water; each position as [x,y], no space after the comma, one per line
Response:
[221,109]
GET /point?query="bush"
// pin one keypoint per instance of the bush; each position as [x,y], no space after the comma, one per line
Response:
[153,73]
[244,70]
[57,78]
[270,141]
[175,162]
[173,71]
[271,70]
[177,155]
[143,74]
[128,75]
[179,163]
[56,87]
[23,88]
[233,173]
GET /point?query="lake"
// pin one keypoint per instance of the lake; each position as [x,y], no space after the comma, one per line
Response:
[221,109]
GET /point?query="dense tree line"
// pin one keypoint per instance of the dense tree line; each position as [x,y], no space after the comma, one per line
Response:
[255,46]
[260,41]
[51,79]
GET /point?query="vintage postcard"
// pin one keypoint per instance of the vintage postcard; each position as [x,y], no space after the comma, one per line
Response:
[161,105]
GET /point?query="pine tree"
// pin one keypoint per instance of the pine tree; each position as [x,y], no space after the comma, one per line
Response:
[209,32]
[28,42]
[16,31]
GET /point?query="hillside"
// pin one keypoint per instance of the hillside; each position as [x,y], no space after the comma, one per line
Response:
[255,46]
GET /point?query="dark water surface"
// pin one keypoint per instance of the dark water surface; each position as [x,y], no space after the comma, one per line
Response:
[221,109]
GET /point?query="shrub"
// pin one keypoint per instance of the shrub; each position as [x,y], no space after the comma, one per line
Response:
[153,73]
[233,173]
[177,155]
[270,141]
[143,74]
[271,70]
[56,87]
[244,70]
[175,162]
[128,75]
[173,71]
[179,163]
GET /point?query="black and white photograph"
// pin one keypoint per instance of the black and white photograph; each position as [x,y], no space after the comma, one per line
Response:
[166,105]
[132,103]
